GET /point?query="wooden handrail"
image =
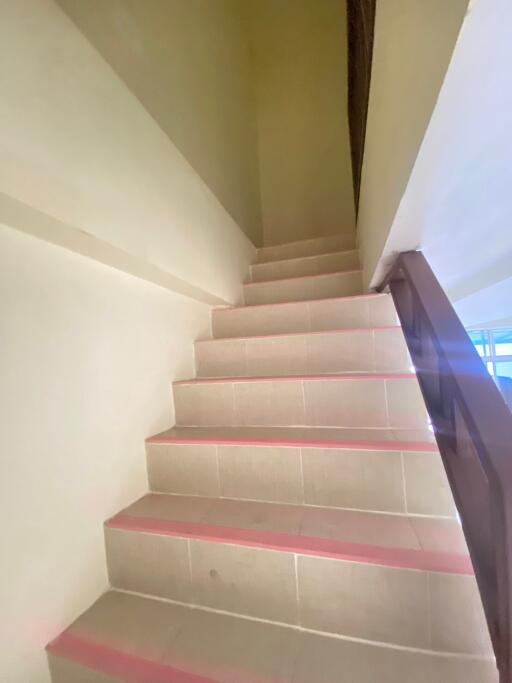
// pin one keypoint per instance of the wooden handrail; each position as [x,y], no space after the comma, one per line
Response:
[473,429]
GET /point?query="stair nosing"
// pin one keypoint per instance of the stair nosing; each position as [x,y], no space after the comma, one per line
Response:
[374,328]
[303,277]
[367,295]
[313,546]
[302,258]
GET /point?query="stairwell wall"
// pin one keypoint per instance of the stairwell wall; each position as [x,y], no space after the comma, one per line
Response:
[88,355]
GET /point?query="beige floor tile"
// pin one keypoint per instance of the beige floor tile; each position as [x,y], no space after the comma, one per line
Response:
[440,535]
[177,508]
[391,531]
[303,289]
[365,601]
[309,247]
[233,650]
[306,265]
[251,581]
[458,622]
[148,563]
[221,359]
[359,403]
[132,623]
[331,660]
[265,320]
[427,488]
[341,284]
[266,473]
[277,356]
[269,403]
[183,468]
[247,514]
[406,407]
[343,352]
[339,314]
[382,311]
[369,480]
[391,353]
[204,404]
[66,671]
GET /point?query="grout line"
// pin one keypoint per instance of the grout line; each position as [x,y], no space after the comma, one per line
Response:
[386,404]
[218,469]
[303,490]
[297,595]
[326,634]
[402,459]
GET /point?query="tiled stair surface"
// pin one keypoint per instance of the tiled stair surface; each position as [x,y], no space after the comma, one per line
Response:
[300,526]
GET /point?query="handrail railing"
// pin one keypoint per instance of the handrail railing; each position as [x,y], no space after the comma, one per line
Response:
[473,429]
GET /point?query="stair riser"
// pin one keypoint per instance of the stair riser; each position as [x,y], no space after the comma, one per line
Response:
[359,600]
[321,245]
[361,403]
[355,351]
[304,289]
[313,316]
[389,481]
[311,265]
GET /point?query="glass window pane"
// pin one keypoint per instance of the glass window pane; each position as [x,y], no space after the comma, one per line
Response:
[503,342]
[490,368]
[480,340]
[504,369]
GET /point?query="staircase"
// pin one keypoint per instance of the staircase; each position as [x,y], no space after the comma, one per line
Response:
[300,527]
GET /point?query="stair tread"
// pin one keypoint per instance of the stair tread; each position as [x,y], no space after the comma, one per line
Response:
[323,377]
[430,543]
[370,295]
[139,639]
[296,278]
[333,252]
[308,333]
[321,437]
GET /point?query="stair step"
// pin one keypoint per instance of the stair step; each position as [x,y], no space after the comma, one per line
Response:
[369,400]
[388,476]
[366,310]
[339,284]
[333,571]
[353,350]
[311,247]
[305,265]
[125,637]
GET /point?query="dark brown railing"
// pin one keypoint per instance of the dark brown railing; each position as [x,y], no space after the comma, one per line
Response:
[473,429]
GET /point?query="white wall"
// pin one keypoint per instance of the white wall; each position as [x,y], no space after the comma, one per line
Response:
[188,63]
[300,66]
[77,145]
[458,205]
[413,44]
[87,356]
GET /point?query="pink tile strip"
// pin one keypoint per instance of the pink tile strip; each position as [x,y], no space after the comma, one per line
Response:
[425,560]
[354,377]
[112,662]
[412,446]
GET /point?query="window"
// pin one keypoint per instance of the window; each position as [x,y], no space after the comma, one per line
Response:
[495,349]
